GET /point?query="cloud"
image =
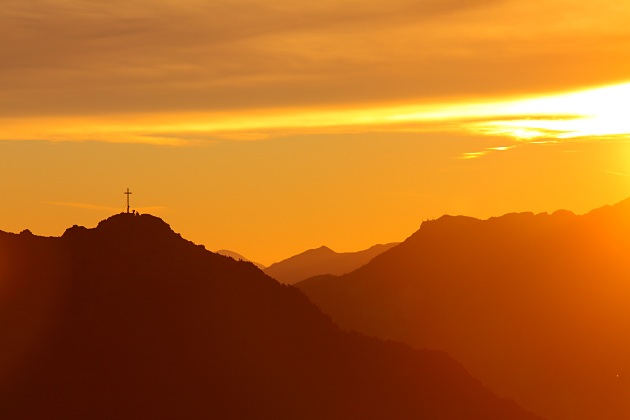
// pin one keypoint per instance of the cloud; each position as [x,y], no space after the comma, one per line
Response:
[617,173]
[591,114]
[79,57]
[472,155]
[501,148]
[175,73]
[84,206]
[486,151]
[104,209]
[576,116]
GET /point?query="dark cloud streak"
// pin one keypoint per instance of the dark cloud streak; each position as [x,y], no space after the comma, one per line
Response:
[76,56]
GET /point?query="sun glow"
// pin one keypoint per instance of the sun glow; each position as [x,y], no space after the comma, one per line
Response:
[595,112]
[592,113]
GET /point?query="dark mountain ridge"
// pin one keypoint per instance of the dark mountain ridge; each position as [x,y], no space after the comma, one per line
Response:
[536,306]
[238,257]
[129,320]
[322,260]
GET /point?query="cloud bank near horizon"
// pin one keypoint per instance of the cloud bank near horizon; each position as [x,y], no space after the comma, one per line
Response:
[178,72]
[75,57]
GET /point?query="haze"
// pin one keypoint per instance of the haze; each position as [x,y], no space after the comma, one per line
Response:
[271,127]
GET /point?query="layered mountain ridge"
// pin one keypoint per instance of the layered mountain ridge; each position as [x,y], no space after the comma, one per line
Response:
[535,305]
[238,257]
[129,320]
[322,260]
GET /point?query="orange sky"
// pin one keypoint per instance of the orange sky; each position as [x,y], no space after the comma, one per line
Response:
[269,127]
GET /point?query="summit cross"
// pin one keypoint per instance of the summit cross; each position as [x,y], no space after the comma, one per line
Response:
[128,193]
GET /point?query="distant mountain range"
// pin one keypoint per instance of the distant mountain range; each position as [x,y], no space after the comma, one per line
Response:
[130,321]
[322,260]
[238,257]
[536,306]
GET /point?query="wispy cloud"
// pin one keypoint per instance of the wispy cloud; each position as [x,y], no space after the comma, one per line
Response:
[501,148]
[83,206]
[617,173]
[486,151]
[105,209]
[472,155]
[595,113]
[163,56]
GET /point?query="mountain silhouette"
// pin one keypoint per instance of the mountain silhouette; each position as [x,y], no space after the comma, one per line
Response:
[320,261]
[238,257]
[535,306]
[129,320]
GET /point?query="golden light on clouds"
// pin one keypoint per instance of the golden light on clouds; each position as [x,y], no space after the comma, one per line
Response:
[599,112]
[72,57]
[175,73]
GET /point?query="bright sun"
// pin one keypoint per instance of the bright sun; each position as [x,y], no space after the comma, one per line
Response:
[598,112]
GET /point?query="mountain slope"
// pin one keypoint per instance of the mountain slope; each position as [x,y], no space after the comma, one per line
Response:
[129,320]
[536,306]
[320,261]
[238,257]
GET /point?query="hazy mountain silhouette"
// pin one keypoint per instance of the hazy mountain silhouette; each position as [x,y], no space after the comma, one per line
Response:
[536,306]
[320,261]
[129,320]
[238,257]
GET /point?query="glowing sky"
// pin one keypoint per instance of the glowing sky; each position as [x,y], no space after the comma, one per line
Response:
[269,127]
